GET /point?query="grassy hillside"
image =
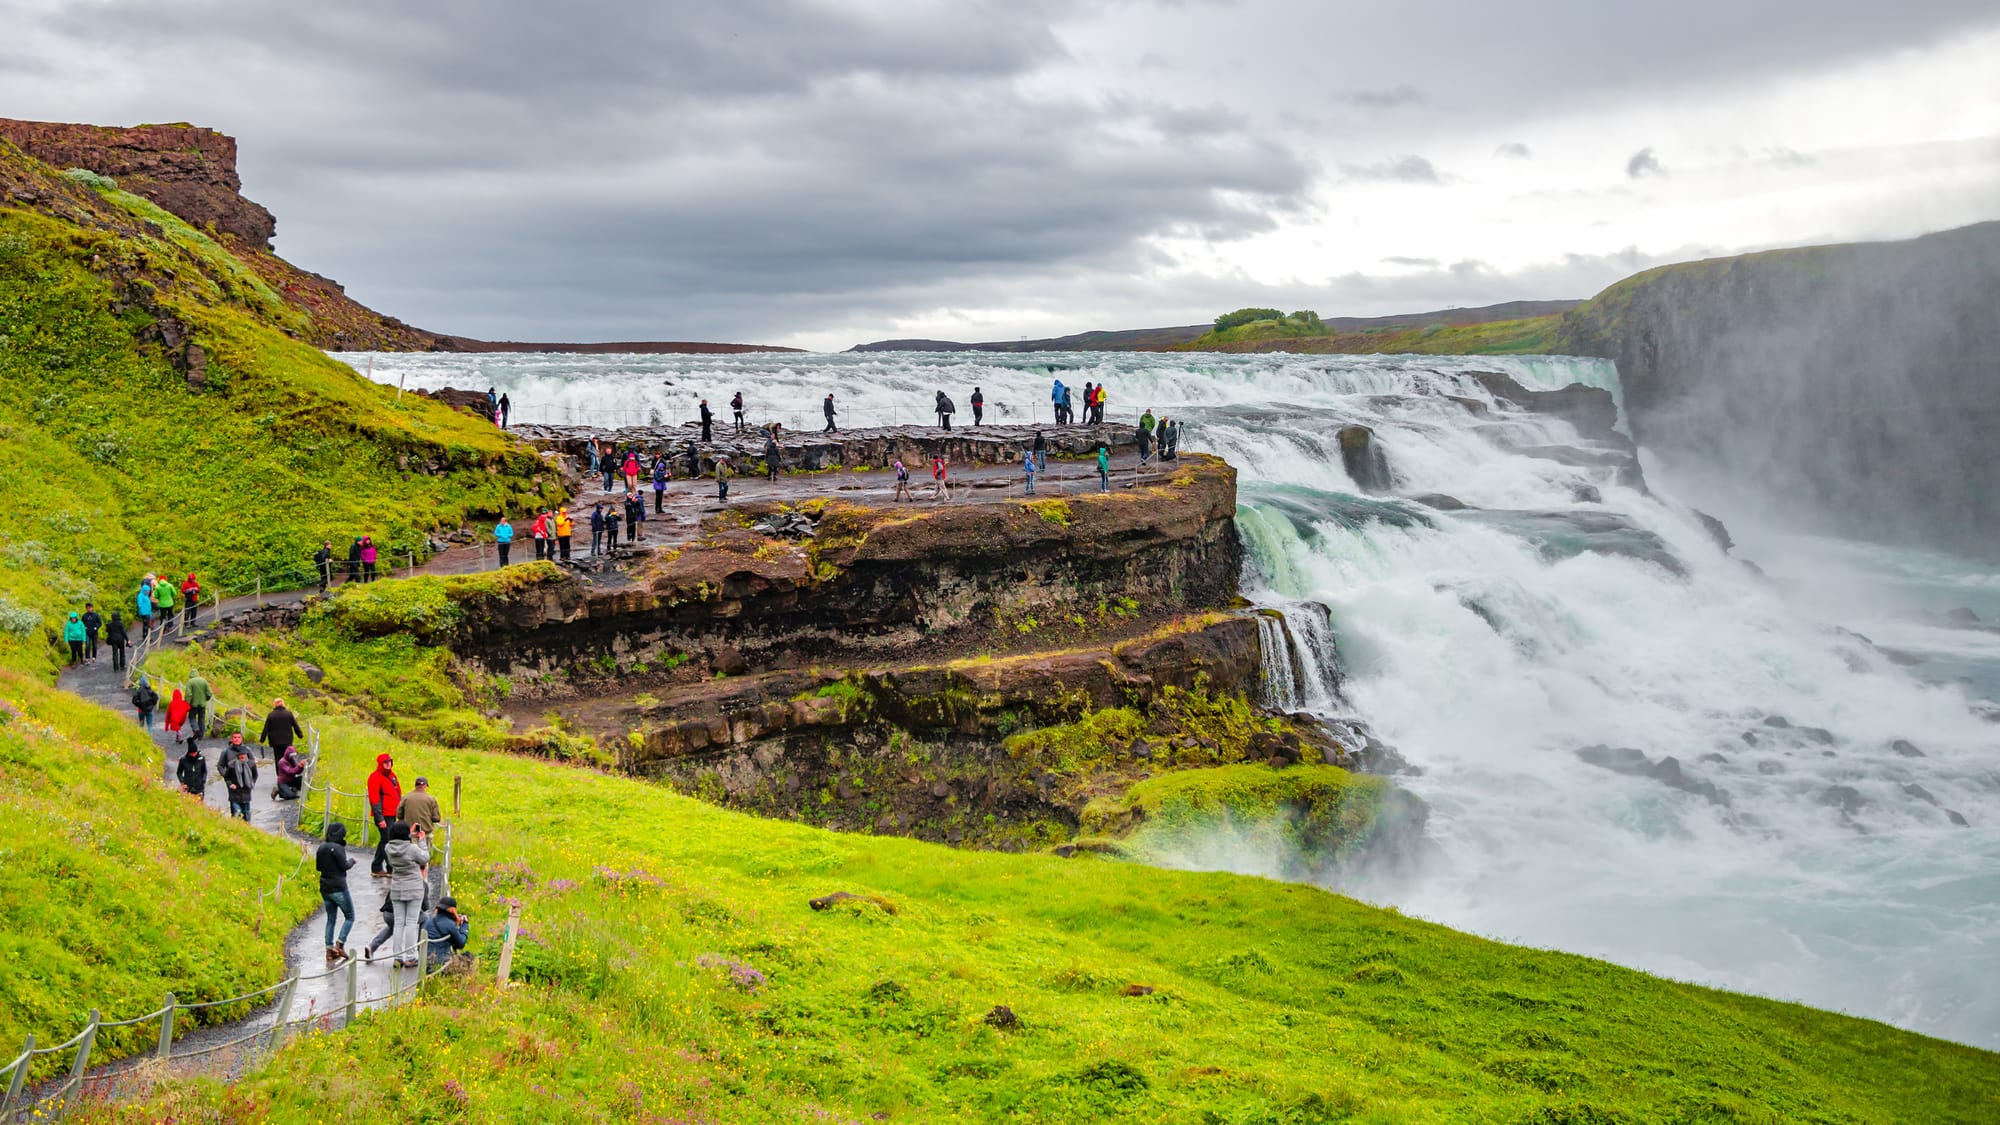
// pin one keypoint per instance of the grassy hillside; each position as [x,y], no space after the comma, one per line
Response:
[671,968]
[112,890]
[1525,336]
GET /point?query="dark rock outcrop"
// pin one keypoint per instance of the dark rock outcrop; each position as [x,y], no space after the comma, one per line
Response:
[1364,460]
[186,170]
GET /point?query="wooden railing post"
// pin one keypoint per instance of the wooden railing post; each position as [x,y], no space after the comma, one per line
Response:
[507,945]
[20,1074]
[284,1013]
[167,1028]
[353,987]
[457,783]
[83,1050]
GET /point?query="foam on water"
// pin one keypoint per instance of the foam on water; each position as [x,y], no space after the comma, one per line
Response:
[1489,648]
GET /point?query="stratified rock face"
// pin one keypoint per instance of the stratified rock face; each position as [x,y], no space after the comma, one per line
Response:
[189,171]
[1858,384]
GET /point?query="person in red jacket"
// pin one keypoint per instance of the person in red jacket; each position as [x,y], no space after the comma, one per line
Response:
[385,802]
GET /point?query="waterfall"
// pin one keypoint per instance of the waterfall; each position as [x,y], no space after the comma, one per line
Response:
[1280,662]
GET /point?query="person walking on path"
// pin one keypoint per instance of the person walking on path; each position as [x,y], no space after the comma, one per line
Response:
[408,853]
[903,483]
[596,529]
[447,931]
[1145,442]
[291,774]
[564,528]
[940,487]
[635,514]
[93,623]
[73,637]
[978,406]
[660,474]
[369,555]
[239,776]
[333,863]
[1103,469]
[192,772]
[177,713]
[540,531]
[199,696]
[944,410]
[632,470]
[142,610]
[421,809]
[1040,451]
[354,561]
[610,517]
[163,603]
[385,804]
[774,455]
[190,598]
[323,565]
[506,410]
[281,727]
[707,422]
[503,538]
[115,639]
[1028,469]
[722,475]
[736,404]
[144,699]
[827,408]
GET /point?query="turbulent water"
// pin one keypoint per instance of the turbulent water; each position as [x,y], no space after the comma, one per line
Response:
[1490,645]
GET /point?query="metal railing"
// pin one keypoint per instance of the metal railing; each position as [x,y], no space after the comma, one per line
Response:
[997,414]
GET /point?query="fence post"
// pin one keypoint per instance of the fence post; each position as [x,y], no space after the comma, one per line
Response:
[82,1057]
[260,589]
[284,1013]
[457,783]
[353,987]
[167,1028]
[507,946]
[20,1073]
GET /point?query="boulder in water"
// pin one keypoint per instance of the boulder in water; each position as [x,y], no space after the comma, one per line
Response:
[1715,529]
[1906,748]
[1440,501]
[1820,735]
[1770,766]
[1361,455]
[1846,798]
[1920,793]
[1956,818]
[1586,494]
[1668,772]
[1778,721]
[1617,759]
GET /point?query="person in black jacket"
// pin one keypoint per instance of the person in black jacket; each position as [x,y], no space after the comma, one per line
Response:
[114,637]
[93,622]
[736,404]
[827,408]
[707,420]
[354,561]
[333,863]
[323,564]
[978,406]
[774,454]
[144,699]
[944,409]
[281,729]
[239,775]
[192,771]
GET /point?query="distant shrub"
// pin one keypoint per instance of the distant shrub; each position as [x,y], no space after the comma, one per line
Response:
[1241,317]
[16,618]
[1308,319]
[91,179]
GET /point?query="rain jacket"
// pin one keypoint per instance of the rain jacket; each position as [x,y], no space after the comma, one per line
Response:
[332,860]
[564,526]
[73,629]
[192,771]
[177,711]
[385,793]
[407,858]
[503,532]
[198,693]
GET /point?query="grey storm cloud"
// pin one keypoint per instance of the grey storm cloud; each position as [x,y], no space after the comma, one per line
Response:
[1390,98]
[1403,169]
[1644,163]
[1514,150]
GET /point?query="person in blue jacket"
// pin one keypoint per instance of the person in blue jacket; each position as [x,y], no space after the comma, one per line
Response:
[73,636]
[503,538]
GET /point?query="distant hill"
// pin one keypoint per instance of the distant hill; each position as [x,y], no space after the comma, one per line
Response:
[623,347]
[1125,340]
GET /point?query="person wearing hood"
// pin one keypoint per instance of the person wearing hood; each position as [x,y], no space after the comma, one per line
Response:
[1103,469]
[564,527]
[199,696]
[323,565]
[978,406]
[190,598]
[597,529]
[93,623]
[661,471]
[506,410]
[446,932]
[239,775]
[707,422]
[408,854]
[903,482]
[368,557]
[73,637]
[611,518]
[192,772]
[944,410]
[281,727]
[827,407]
[635,514]
[631,470]
[142,609]
[333,863]
[774,455]
[177,713]
[163,603]
[736,404]
[1056,396]
[144,699]
[291,774]
[539,530]
[385,804]
[1145,441]
[354,560]
[115,639]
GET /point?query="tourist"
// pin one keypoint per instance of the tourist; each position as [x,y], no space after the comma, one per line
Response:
[291,774]
[1170,440]
[1146,420]
[707,422]
[144,698]
[940,487]
[945,409]
[190,598]
[142,610]
[596,528]
[385,802]
[564,528]
[73,637]
[539,530]
[93,623]
[660,474]
[1145,440]
[1028,469]
[596,459]
[333,863]
[407,855]
[354,561]
[693,460]
[631,470]
[163,604]
[503,538]
[610,523]
[774,454]
[239,776]
[827,408]
[978,406]
[177,713]
[323,565]
[115,639]
[199,696]
[1040,451]
[1068,408]
[723,471]
[1097,414]
[903,483]
[421,810]
[448,931]
[608,463]
[368,557]
[506,410]
[493,405]
[635,514]
[281,727]
[1056,392]
[192,772]
[1103,469]
[736,404]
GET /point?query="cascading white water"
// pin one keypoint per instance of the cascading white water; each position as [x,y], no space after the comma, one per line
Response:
[1563,610]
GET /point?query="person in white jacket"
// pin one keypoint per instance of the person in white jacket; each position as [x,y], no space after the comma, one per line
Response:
[409,855]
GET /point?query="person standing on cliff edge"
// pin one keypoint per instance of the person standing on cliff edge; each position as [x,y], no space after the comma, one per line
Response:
[506,410]
[978,406]
[827,408]
[707,421]
[736,404]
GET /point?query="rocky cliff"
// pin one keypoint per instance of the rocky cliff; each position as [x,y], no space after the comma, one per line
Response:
[1857,385]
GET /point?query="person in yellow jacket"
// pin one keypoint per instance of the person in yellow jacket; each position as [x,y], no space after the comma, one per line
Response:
[564,526]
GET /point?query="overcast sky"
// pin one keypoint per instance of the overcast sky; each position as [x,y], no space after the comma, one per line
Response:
[824,172]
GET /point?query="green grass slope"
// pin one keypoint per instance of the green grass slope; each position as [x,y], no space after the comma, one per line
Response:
[1524,336]
[113,890]
[670,967]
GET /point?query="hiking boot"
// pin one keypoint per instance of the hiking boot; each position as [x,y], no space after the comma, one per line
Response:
[368,954]
[331,957]
[340,952]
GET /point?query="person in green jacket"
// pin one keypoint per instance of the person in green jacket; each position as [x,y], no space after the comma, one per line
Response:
[1146,421]
[163,602]
[1103,469]
[73,633]
[198,698]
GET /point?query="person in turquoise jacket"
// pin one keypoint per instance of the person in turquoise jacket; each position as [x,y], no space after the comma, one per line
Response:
[143,607]
[503,538]
[1103,469]
[73,633]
